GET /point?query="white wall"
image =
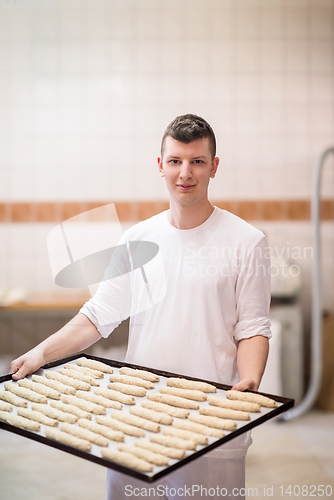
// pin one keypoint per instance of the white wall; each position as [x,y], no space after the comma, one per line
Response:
[88,88]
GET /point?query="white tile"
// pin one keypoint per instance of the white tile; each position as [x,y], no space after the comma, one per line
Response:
[198,90]
[248,54]
[272,89]
[95,58]
[45,58]
[148,20]
[321,21]
[198,57]
[90,121]
[123,18]
[297,55]
[148,56]
[172,20]
[297,21]
[297,88]
[272,121]
[172,90]
[322,119]
[70,90]
[248,89]
[272,55]
[248,21]
[321,56]
[322,89]
[298,120]
[22,121]
[47,121]
[44,92]
[173,56]
[272,21]
[223,21]
[248,154]
[196,20]
[71,25]
[121,55]
[71,57]
[249,120]
[22,57]
[222,56]
[223,89]
[272,151]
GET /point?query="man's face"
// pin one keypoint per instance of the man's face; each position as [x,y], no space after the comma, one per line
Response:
[187,169]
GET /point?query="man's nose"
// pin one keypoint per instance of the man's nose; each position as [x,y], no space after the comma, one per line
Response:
[185,171]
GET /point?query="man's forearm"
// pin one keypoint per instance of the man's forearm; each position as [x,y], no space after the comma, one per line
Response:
[251,360]
[75,336]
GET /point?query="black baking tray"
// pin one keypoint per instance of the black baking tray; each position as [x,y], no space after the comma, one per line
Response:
[286,405]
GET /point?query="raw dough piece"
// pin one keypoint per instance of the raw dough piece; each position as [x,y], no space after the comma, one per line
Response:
[86,434]
[21,422]
[125,379]
[132,390]
[94,365]
[173,401]
[184,393]
[173,442]
[233,405]
[148,425]
[224,413]
[183,383]
[39,388]
[160,418]
[183,434]
[99,400]
[79,376]
[83,369]
[25,393]
[37,416]
[115,396]
[101,429]
[77,384]
[199,428]
[54,413]
[218,423]
[120,457]
[5,406]
[84,405]
[58,386]
[162,408]
[130,430]
[251,398]
[74,410]
[151,377]
[12,399]
[149,456]
[65,438]
[159,448]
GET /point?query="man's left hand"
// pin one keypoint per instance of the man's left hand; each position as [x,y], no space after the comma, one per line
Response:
[246,383]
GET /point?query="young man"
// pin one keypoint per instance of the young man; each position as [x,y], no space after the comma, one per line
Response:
[213,321]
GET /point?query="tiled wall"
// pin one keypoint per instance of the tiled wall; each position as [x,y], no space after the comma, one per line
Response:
[88,87]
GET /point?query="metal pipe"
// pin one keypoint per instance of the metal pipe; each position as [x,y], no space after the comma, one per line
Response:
[316,334]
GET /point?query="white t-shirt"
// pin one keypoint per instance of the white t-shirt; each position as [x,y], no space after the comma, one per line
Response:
[217,292]
[210,288]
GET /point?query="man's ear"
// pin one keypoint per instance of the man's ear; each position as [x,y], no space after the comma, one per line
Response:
[214,166]
[161,169]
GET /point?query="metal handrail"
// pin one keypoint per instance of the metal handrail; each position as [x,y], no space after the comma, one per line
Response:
[316,334]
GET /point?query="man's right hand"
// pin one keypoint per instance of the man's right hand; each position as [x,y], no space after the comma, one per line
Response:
[27,363]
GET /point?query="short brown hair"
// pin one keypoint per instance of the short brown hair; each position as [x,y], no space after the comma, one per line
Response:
[189,128]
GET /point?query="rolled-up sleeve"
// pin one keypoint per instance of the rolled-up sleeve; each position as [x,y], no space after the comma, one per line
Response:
[253,294]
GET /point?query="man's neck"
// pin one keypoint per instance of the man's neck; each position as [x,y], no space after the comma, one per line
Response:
[188,217]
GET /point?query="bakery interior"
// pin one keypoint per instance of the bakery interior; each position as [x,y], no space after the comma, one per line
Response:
[87,88]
